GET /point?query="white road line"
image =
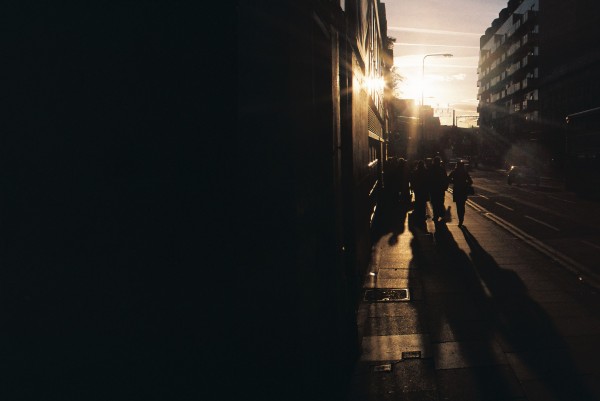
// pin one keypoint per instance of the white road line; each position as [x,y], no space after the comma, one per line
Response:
[504,206]
[591,244]
[583,272]
[564,200]
[541,222]
[484,197]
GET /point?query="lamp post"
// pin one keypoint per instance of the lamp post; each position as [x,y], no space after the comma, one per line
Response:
[423,71]
[422,139]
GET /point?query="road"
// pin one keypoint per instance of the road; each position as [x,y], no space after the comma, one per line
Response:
[553,220]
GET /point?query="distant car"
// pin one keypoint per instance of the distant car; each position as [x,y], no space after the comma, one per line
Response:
[452,164]
[523,175]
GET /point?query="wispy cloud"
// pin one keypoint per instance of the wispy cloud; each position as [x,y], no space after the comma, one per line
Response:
[430,45]
[458,77]
[432,31]
[416,61]
[449,78]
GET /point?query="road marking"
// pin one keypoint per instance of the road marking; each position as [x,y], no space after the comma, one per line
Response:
[484,197]
[541,222]
[564,200]
[583,272]
[591,244]
[504,206]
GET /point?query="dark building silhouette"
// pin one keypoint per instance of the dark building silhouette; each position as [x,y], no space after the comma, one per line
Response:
[569,66]
[312,88]
[105,138]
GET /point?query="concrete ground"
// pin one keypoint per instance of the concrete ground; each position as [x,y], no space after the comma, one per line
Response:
[478,315]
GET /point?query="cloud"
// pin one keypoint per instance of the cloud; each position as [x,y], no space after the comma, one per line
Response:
[432,31]
[432,45]
[416,60]
[448,78]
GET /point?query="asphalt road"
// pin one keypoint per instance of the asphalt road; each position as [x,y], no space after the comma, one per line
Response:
[556,221]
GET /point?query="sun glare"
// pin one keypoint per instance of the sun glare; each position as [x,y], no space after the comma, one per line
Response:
[375,84]
[411,89]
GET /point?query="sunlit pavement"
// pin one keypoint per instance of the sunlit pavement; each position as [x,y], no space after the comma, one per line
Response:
[483,315]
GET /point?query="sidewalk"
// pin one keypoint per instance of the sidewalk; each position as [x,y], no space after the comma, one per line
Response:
[478,315]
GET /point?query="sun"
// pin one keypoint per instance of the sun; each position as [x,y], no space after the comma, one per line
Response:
[410,88]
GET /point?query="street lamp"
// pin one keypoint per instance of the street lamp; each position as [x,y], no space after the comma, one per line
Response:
[423,71]
[422,139]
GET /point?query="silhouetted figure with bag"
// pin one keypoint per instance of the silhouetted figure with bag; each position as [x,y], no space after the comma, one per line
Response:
[419,182]
[438,183]
[461,181]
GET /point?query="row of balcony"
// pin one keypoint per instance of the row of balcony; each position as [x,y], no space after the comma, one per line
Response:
[511,92]
[528,48]
[522,107]
[516,72]
[524,23]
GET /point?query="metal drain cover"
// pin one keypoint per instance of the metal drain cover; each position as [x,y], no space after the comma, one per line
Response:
[387,295]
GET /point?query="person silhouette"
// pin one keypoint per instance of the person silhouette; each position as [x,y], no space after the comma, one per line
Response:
[438,183]
[460,180]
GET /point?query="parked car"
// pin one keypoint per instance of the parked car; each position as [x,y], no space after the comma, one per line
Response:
[523,175]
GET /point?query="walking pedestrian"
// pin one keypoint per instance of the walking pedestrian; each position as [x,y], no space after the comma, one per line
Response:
[461,180]
[419,182]
[438,184]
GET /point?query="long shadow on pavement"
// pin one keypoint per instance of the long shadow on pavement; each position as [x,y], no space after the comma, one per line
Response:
[390,218]
[526,331]
[470,364]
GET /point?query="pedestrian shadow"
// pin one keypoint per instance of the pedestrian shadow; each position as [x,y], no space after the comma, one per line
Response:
[390,218]
[525,330]
[459,323]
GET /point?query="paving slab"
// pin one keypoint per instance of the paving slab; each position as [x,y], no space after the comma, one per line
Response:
[444,331]
[482,383]
[567,388]
[390,325]
[390,348]
[378,282]
[394,309]
[565,309]
[395,273]
[467,354]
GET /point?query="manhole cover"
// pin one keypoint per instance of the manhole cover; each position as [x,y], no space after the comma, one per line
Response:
[387,295]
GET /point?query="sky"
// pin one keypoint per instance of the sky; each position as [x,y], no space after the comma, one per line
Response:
[440,26]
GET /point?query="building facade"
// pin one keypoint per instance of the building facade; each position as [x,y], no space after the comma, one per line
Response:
[312,84]
[538,63]
[508,79]
[569,66]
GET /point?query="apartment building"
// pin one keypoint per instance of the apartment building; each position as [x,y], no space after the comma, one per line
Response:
[508,76]
[569,66]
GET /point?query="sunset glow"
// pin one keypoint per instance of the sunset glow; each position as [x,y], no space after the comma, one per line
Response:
[447,83]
